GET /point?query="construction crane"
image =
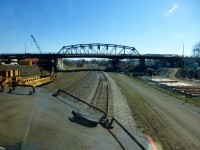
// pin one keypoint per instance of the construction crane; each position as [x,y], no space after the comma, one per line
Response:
[34,40]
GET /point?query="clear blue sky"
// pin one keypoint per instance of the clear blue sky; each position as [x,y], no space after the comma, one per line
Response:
[151,26]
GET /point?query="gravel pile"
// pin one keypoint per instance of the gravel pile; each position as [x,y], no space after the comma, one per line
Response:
[122,111]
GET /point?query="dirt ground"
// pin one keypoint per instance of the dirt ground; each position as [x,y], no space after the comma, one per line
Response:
[170,73]
[169,123]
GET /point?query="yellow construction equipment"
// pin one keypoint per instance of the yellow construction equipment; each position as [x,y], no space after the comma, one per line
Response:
[25,62]
[10,77]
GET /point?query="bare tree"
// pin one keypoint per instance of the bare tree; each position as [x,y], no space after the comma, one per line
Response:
[196,50]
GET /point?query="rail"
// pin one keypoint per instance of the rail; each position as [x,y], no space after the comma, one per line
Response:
[100,91]
[56,94]
[108,104]
[96,91]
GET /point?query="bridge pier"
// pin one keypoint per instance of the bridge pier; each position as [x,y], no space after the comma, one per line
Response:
[182,63]
[59,63]
[54,64]
[142,64]
[171,64]
[47,64]
[177,63]
[115,64]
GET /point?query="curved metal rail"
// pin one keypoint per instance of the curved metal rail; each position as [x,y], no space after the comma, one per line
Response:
[101,91]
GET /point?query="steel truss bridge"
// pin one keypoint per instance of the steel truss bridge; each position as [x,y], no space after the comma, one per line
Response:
[95,50]
[98,49]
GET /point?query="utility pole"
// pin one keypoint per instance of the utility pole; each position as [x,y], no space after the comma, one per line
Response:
[25,47]
[183,55]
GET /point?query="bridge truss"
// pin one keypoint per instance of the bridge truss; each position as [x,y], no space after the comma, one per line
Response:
[99,49]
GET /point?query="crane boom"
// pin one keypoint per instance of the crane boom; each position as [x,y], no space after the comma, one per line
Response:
[34,40]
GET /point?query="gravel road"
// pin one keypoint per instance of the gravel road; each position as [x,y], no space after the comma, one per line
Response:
[184,125]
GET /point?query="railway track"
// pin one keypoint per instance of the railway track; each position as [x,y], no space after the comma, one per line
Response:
[79,87]
[99,93]
[86,88]
[102,98]
[62,80]
[102,103]
[71,86]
